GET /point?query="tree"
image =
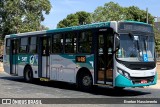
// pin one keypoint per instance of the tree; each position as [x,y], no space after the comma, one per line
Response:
[109,12]
[42,27]
[113,11]
[79,18]
[22,15]
[134,13]
[157,39]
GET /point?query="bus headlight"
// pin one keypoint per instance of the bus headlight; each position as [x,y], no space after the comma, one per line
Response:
[124,73]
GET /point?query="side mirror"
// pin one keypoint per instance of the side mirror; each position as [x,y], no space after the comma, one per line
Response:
[117,42]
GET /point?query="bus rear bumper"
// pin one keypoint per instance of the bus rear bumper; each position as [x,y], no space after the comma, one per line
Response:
[122,81]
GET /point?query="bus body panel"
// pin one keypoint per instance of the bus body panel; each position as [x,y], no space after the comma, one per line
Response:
[121,81]
[114,25]
[138,75]
[65,67]
[6,63]
[27,59]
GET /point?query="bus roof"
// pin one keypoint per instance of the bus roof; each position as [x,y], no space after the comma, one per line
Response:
[132,21]
[81,27]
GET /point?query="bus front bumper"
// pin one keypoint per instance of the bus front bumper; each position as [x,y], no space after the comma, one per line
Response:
[122,81]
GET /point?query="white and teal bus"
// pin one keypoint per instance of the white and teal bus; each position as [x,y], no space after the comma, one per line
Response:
[116,54]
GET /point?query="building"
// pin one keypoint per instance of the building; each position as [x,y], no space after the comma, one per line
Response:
[157,25]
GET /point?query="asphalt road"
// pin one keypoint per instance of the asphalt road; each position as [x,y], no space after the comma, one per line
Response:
[15,87]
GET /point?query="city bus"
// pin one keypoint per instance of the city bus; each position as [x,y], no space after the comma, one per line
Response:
[115,54]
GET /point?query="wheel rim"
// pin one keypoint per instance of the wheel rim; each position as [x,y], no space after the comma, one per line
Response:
[86,81]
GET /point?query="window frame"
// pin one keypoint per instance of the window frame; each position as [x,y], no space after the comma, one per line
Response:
[30,44]
[91,42]
[7,46]
[26,51]
[52,43]
[75,36]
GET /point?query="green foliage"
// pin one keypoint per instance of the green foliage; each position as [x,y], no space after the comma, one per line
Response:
[113,11]
[134,13]
[109,12]
[157,39]
[22,15]
[79,18]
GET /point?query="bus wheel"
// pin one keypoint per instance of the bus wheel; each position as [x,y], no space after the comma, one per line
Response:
[28,74]
[85,82]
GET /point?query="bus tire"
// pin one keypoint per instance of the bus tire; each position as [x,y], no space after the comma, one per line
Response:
[28,74]
[85,82]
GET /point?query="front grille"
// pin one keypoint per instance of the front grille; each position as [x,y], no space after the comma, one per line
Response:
[138,65]
[141,66]
[137,80]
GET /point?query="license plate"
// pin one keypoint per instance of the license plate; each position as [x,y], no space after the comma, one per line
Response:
[143,81]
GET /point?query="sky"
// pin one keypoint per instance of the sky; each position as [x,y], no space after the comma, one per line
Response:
[61,8]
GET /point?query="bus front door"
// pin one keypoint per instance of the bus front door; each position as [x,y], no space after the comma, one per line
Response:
[14,57]
[105,58]
[44,57]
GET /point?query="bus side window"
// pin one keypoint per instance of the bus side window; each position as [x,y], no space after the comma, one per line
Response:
[57,43]
[70,42]
[33,45]
[85,42]
[8,42]
[23,45]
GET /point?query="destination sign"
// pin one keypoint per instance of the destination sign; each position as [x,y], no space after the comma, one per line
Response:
[126,26]
[81,59]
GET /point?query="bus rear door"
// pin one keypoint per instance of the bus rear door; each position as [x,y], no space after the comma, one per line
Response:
[44,57]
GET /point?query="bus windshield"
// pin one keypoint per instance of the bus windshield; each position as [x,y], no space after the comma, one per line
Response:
[136,48]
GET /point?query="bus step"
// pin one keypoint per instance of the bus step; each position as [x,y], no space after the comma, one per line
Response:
[105,85]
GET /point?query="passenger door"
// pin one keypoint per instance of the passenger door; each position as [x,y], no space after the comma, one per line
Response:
[105,57]
[44,57]
[14,57]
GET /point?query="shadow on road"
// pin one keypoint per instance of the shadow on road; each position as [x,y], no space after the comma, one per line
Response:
[96,91]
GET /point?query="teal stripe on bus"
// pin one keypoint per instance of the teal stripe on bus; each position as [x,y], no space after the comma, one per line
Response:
[82,27]
[122,81]
[23,59]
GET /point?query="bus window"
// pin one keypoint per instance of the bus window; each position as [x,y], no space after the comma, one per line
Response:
[8,42]
[57,43]
[46,44]
[85,42]
[23,45]
[33,45]
[70,43]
